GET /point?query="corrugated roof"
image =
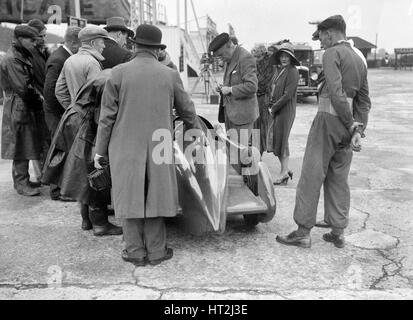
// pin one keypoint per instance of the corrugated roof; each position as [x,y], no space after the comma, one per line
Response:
[360,43]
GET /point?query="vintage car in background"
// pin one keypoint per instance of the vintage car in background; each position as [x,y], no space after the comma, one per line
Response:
[211,191]
[310,69]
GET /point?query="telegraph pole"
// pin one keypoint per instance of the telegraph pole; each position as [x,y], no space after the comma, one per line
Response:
[77,8]
[22,10]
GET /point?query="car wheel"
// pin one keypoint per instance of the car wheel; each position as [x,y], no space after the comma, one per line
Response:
[251,220]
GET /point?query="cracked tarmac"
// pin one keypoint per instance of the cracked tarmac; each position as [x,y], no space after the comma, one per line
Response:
[45,255]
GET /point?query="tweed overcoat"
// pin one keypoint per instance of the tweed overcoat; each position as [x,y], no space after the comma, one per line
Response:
[138,100]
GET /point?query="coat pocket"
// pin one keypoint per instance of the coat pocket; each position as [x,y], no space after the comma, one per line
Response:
[20,114]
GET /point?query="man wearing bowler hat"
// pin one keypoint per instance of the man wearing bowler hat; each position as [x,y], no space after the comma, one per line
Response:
[336,132]
[138,100]
[115,52]
[239,90]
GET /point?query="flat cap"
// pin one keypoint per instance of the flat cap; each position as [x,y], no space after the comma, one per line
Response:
[334,22]
[36,23]
[316,35]
[25,31]
[92,32]
[219,42]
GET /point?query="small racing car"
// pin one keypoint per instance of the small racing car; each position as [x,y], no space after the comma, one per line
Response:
[211,190]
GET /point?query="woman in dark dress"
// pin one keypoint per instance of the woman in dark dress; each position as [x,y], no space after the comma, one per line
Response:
[283,108]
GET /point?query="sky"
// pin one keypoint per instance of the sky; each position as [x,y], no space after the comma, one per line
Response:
[266,21]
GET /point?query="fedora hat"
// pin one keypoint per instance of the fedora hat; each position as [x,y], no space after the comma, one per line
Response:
[289,49]
[149,35]
[118,24]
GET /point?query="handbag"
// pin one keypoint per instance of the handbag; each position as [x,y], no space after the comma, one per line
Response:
[99,179]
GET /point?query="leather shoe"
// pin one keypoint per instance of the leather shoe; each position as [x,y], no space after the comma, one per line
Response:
[169,254]
[323,224]
[107,230]
[293,239]
[338,241]
[28,191]
[138,262]
[62,198]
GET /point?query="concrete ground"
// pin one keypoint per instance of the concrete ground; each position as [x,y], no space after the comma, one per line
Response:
[45,255]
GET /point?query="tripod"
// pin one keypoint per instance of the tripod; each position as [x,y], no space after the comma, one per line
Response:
[206,76]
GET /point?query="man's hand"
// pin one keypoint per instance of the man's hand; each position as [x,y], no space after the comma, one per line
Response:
[226,91]
[356,142]
[98,161]
[355,126]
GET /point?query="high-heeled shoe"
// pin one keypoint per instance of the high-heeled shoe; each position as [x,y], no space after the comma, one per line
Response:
[291,174]
[283,180]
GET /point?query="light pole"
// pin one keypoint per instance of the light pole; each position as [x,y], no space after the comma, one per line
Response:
[22,10]
[77,8]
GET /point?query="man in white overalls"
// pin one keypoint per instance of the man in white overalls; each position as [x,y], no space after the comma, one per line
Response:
[336,132]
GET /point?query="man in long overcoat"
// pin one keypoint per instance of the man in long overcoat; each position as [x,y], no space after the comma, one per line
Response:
[21,132]
[137,101]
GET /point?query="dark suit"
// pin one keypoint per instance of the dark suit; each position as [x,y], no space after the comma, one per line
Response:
[114,54]
[52,108]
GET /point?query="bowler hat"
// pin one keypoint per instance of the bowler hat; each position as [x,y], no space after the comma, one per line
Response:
[149,35]
[24,31]
[92,32]
[118,24]
[334,22]
[218,42]
[287,48]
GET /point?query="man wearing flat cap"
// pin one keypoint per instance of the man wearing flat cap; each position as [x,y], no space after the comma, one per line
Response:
[21,132]
[115,52]
[137,101]
[336,132]
[83,66]
[239,90]
[77,71]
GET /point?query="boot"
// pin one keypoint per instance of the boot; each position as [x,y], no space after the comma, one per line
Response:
[84,212]
[101,225]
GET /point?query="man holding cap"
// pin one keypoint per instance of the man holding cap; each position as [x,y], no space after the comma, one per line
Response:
[83,66]
[115,52]
[239,90]
[336,132]
[23,104]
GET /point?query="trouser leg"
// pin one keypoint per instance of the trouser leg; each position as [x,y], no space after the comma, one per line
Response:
[155,238]
[314,170]
[20,173]
[337,191]
[133,235]
[240,135]
[98,216]
[54,192]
